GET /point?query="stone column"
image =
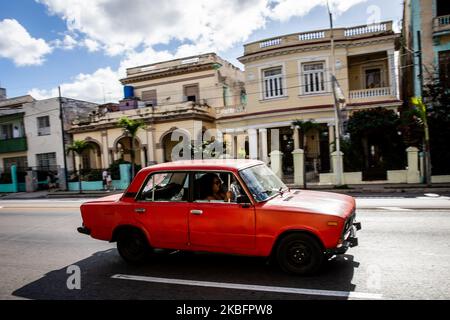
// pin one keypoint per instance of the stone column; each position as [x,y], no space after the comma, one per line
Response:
[413,175]
[105,150]
[151,145]
[263,144]
[253,143]
[240,146]
[276,163]
[391,72]
[337,161]
[331,142]
[143,156]
[296,137]
[299,167]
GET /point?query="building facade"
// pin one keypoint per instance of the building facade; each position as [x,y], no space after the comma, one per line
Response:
[13,140]
[182,95]
[288,78]
[31,137]
[426,40]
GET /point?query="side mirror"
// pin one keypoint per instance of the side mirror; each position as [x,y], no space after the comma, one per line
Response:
[243,200]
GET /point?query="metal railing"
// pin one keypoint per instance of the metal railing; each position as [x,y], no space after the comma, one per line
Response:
[369,93]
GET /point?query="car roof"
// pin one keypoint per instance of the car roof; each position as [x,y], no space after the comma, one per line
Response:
[210,164]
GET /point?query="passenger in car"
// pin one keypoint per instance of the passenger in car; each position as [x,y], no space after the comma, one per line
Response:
[212,185]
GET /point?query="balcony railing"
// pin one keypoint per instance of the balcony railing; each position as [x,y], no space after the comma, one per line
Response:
[357,31]
[441,23]
[370,93]
[13,145]
[229,110]
[382,28]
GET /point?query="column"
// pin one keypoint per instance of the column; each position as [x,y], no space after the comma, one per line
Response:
[331,142]
[263,144]
[296,138]
[337,161]
[240,139]
[151,145]
[276,163]
[253,143]
[391,72]
[299,167]
[143,156]
[105,151]
[413,175]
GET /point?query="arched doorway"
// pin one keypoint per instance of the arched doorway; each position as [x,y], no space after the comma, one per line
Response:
[123,149]
[91,158]
[168,145]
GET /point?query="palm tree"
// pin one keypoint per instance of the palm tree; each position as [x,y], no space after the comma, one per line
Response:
[78,147]
[130,128]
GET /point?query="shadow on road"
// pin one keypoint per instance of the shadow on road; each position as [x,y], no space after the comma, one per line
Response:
[96,282]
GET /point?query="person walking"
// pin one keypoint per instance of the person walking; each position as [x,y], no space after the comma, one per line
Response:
[104,179]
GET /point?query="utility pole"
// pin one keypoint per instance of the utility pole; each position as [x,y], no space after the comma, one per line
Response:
[338,169]
[61,117]
[423,109]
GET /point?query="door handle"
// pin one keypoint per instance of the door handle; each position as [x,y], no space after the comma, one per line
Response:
[139,210]
[197,212]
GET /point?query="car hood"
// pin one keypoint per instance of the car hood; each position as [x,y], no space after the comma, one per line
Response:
[313,202]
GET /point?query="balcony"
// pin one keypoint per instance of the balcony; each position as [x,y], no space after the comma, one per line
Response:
[370,93]
[441,25]
[13,145]
[383,28]
[229,110]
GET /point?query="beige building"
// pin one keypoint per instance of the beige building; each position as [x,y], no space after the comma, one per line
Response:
[184,94]
[288,78]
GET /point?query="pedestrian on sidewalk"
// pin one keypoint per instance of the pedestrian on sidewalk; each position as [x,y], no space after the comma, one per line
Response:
[104,179]
[109,181]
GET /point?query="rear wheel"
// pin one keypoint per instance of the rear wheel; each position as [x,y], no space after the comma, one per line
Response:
[133,246]
[300,254]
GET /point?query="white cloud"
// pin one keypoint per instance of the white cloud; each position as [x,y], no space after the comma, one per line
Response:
[91,45]
[102,85]
[283,10]
[18,45]
[68,43]
[133,28]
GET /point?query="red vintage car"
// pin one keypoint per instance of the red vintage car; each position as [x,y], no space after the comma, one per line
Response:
[228,206]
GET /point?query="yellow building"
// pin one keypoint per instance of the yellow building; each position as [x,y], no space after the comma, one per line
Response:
[287,78]
[181,94]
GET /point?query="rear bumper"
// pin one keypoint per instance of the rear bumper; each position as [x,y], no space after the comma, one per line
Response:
[349,240]
[84,230]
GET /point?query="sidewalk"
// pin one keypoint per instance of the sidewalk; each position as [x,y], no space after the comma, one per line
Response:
[354,190]
[393,189]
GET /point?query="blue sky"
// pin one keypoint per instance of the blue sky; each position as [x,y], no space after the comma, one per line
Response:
[102,39]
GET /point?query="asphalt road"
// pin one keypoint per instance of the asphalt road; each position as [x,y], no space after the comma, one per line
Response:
[403,253]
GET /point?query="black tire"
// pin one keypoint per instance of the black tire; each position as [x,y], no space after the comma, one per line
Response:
[133,246]
[300,254]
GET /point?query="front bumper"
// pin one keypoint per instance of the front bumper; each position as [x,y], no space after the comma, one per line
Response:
[349,240]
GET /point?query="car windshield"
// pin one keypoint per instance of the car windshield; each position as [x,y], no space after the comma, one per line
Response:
[262,182]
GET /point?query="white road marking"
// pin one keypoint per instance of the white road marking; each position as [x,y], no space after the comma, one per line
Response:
[394,208]
[238,286]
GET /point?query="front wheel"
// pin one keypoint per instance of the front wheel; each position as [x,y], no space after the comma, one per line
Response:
[300,254]
[133,246]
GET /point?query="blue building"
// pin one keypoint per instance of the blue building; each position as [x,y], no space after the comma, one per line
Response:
[426,44]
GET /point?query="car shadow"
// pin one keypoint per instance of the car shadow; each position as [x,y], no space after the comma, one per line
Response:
[97,270]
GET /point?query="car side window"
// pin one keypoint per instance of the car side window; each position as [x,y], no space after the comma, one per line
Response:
[216,187]
[166,186]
